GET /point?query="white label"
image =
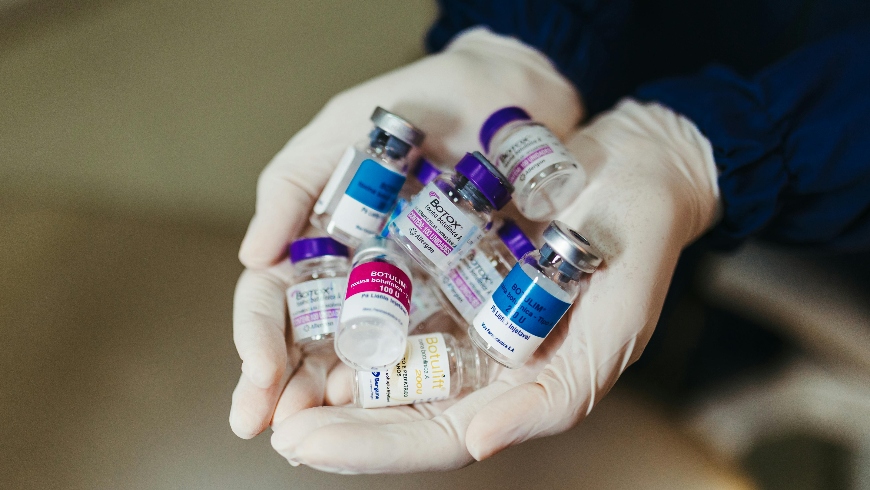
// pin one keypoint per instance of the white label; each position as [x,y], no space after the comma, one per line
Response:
[343,172]
[378,289]
[503,335]
[470,283]
[519,315]
[528,151]
[315,306]
[438,229]
[356,219]
[423,375]
[377,305]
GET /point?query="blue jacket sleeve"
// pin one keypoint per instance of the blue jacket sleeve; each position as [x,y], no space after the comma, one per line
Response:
[587,40]
[792,143]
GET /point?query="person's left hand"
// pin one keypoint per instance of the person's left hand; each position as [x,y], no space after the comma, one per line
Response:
[652,190]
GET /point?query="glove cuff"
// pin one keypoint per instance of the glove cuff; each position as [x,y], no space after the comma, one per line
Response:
[668,146]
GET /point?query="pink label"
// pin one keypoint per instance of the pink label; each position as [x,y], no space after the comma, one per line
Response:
[463,288]
[525,162]
[429,232]
[380,277]
[316,316]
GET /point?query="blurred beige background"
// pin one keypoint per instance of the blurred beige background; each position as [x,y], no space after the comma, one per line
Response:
[171,108]
[131,136]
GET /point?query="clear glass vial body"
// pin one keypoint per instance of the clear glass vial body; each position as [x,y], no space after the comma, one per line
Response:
[314,299]
[418,233]
[451,214]
[373,326]
[427,313]
[424,299]
[546,176]
[357,199]
[424,173]
[533,297]
[436,367]
[463,290]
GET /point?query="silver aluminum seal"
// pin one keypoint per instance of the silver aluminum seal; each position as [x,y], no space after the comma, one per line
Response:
[378,246]
[572,247]
[397,126]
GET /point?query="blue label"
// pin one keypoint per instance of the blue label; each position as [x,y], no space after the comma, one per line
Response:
[528,305]
[375,186]
[401,204]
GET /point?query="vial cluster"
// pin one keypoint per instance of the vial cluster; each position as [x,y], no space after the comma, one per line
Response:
[413,284]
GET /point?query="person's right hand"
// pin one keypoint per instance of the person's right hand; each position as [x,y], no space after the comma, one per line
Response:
[448,95]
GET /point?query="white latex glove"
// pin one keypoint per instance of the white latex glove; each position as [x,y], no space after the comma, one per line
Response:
[448,95]
[652,190]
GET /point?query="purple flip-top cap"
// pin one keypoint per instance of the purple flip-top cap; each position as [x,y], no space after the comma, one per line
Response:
[497,121]
[426,171]
[514,239]
[494,186]
[309,248]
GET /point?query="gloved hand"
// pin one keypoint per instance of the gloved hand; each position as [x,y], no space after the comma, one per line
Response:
[652,190]
[449,95]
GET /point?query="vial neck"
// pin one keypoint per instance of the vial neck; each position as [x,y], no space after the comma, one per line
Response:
[563,271]
[475,367]
[472,194]
[382,142]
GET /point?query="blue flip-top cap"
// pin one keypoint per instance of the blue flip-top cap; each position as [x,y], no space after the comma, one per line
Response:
[494,186]
[309,248]
[498,120]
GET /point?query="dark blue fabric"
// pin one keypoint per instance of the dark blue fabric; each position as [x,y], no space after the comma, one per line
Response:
[784,98]
[587,39]
[792,143]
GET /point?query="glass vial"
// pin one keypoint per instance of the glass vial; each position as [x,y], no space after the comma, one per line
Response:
[424,300]
[315,296]
[436,367]
[451,214]
[545,174]
[534,296]
[465,288]
[363,189]
[373,327]
[423,173]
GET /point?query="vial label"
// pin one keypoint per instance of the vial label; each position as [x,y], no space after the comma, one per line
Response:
[315,306]
[470,284]
[349,160]
[439,230]
[423,305]
[518,316]
[528,151]
[423,375]
[400,206]
[378,289]
[362,210]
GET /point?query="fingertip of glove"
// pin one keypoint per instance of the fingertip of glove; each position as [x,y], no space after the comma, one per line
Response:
[253,257]
[241,426]
[502,423]
[279,441]
[481,446]
[262,373]
[253,252]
